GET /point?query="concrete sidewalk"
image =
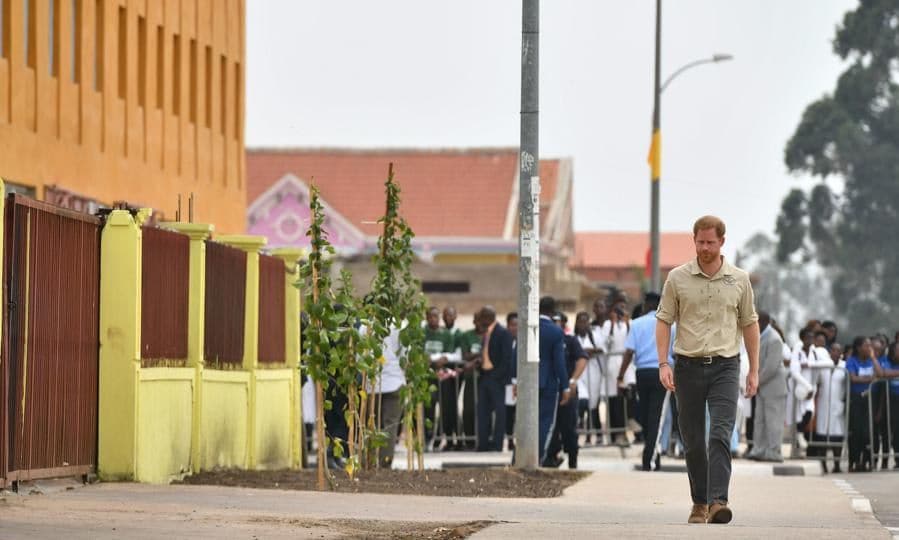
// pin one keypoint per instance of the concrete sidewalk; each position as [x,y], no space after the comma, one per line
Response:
[609,503]
[656,505]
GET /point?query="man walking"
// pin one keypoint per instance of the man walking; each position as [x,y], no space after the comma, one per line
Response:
[553,379]
[712,303]
[770,403]
[640,347]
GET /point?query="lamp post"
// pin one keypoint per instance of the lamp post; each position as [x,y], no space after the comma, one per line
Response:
[526,427]
[655,151]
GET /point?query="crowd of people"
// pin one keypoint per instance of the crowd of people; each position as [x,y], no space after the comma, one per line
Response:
[831,392]
[609,377]
[480,366]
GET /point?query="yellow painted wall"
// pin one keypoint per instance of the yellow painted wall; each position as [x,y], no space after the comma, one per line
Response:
[156,424]
[273,430]
[224,419]
[164,114]
[119,346]
[164,420]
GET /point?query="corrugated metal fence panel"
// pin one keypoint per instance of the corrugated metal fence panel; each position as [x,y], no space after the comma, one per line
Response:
[12,322]
[165,287]
[53,347]
[271,309]
[226,278]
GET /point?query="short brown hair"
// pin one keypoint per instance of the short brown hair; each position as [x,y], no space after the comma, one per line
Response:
[709,222]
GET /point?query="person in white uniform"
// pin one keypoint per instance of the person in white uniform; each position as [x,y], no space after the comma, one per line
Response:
[594,374]
[614,336]
[588,384]
[805,364]
[830,424]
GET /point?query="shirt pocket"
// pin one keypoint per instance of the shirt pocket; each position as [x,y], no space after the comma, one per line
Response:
[729,295]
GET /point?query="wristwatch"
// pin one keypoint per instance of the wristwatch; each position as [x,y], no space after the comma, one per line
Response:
[572,382]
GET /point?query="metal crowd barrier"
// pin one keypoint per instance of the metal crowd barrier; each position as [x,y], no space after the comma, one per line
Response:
[818,443]
[881,418]
[604,434]
[438,434]
[880,391]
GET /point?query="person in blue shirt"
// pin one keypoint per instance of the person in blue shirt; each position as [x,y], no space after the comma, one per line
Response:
[889,364]
[879,388]
[862,367]
[640,347]
[553,376]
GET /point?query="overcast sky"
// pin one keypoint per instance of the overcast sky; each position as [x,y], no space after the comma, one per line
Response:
[423,73]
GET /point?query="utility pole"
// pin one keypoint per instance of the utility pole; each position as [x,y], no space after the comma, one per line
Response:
[655,158]
[526,421]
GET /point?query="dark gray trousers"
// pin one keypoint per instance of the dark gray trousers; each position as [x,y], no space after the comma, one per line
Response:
[718,385]
[391,417]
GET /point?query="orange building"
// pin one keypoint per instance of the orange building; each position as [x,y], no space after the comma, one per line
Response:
[108,100]
[461,203]
[618,260]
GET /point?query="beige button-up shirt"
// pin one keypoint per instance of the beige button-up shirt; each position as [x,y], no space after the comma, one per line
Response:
[710,311]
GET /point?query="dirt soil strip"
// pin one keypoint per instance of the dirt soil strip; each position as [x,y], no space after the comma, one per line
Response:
[378,530]
[473,482]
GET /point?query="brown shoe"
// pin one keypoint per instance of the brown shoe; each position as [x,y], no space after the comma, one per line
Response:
[699,513]
[720,513]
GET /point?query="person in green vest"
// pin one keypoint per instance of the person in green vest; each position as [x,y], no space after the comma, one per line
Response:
[439,346]
[470,343]
[449,386]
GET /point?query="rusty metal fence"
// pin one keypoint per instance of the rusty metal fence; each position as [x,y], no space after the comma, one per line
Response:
[272,292]
[165,273]
[49,373]
[226,277]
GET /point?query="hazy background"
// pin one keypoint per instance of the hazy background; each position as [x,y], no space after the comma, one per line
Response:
[421,73]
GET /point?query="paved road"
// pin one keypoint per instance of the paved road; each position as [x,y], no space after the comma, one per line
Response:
[612,502]
[882,489]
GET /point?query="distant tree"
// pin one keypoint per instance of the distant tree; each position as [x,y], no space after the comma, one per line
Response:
[791,291]
[852,134]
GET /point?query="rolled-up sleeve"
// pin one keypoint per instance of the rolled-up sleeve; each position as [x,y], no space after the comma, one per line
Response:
[748,314]
[667,311]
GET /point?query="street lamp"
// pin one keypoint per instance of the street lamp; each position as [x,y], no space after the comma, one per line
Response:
[655,150]
[715,58]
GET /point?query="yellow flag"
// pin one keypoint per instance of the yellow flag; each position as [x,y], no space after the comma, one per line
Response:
[655,155]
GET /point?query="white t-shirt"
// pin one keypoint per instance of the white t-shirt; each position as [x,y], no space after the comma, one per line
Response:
[392,377]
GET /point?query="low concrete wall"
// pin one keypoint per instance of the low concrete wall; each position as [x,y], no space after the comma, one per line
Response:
[224,419]
[164,423]
[272,431]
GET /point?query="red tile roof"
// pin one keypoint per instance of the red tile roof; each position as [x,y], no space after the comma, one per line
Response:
[594,249]
[462,193]
[549,176]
